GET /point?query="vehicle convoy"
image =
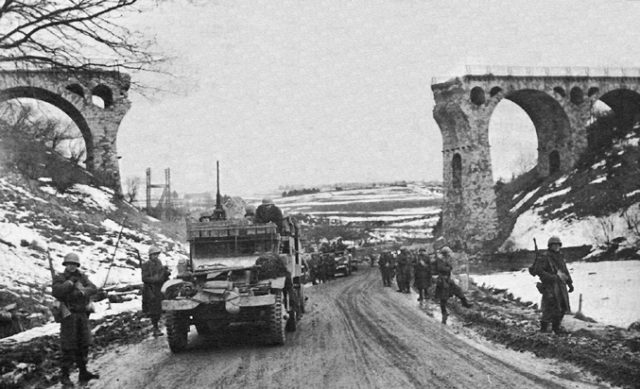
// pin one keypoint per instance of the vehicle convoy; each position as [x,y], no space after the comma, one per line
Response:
[238,273]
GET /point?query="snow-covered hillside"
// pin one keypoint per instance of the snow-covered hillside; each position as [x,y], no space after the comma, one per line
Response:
[593,206]
[85,220]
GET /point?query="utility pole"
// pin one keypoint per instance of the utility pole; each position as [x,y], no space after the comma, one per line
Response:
[166,201]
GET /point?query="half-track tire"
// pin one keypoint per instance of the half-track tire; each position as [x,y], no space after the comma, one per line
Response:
[177,331]
[276,321]
[292,322]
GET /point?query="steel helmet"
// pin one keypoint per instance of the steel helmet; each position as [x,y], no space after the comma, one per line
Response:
[446,250]
[71,258]
[250,210]
[154,250]
[554,240]
[267,201]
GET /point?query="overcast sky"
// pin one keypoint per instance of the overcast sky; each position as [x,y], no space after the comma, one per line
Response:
[320,91]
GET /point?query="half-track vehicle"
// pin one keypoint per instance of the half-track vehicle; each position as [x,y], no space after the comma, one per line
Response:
[239,272]
[225,284]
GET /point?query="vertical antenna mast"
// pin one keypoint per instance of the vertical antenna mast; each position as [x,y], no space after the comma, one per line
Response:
[218,213]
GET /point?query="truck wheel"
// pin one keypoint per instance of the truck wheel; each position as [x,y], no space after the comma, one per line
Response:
[276,322]
[292,322]
[177,331]
[302,301]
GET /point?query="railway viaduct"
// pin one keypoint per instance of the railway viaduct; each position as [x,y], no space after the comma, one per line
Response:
[74,93]
[559,103]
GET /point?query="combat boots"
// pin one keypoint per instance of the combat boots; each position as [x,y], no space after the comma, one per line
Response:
[64,379]
[85,375]
[557,329]
[544,326]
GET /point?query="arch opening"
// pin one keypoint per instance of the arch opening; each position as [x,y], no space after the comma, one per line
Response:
[512,140]
[60,125]
[102,96]
[456,171]
[77,89]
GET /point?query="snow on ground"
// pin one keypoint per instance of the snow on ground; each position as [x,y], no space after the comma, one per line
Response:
[546,197]
[524,200]
[609,290]
[573,232]
[103,309]
[25,267]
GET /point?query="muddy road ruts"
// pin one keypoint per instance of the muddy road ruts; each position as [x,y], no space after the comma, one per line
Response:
[355,334]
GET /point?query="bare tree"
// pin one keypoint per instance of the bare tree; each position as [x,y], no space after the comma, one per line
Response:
[131,187]
[71,34]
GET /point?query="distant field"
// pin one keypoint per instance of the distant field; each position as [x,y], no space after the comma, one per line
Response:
[390,214]
[363,206]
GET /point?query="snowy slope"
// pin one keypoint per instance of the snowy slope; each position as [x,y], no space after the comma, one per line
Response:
[85,220]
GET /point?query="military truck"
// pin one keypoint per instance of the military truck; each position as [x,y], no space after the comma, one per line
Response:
[238,273]
[221,284]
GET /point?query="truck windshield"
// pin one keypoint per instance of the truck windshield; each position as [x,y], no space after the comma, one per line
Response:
[231,247]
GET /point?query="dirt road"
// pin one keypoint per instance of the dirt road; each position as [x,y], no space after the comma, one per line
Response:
[356,334]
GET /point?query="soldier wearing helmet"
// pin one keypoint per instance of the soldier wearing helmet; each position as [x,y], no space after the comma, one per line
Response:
[445,286]
[269,212]
[403,273]
[154,274]
[555,284]
[74,290]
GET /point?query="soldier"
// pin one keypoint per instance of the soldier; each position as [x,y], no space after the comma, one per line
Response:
[403,273]
[387,266]
[73,289]
[445,287]
[555,278]
[154,274]
[422,275]
[268,212]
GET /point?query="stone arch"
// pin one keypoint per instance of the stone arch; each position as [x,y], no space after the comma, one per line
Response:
[625,104]
[60,103]
[76,88]
[553,128]
[103,92]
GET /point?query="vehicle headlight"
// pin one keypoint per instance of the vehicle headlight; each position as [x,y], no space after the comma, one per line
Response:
[183,289]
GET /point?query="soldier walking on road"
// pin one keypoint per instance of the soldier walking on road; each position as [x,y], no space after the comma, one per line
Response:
[555,278]
[387,264]
[403,275]
[422,275]
[445,287]
[154,274]
[73,289]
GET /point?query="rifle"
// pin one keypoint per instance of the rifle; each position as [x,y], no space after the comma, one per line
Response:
[535,248]
[139,257]
[58,309]
[113,257]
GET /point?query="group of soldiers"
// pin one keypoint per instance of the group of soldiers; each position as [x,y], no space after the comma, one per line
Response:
[322,267]
[422,268]
[74,291]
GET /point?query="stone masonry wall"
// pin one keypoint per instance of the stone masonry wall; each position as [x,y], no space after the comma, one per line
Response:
[559,107]
[73,93]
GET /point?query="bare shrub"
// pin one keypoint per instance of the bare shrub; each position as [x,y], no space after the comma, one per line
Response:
[131,188]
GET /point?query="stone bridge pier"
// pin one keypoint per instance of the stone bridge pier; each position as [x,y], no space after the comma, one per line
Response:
[560,108]
[73,93]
